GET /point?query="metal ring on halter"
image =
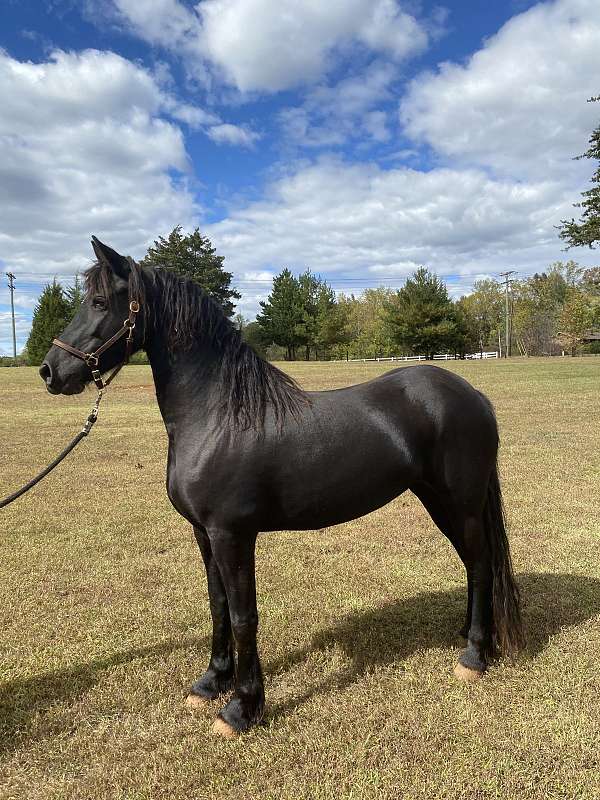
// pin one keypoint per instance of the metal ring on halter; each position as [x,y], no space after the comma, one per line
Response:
[91,360]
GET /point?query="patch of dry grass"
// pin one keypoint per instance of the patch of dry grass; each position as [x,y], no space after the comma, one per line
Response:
[104,619]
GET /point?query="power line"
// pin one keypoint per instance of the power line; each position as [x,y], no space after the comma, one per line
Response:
[358,282]
[11,286]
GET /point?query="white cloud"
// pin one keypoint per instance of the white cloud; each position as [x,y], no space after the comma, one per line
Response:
[519,104]
[331,115]
[192,115]
[233,134]
[375,124]
[84,149]
[361,221]
[258,276]
[387,28]
[22,324]
[161,22]
[270,45]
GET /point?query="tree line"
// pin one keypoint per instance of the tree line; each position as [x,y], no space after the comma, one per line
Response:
[303,318]
[548,312]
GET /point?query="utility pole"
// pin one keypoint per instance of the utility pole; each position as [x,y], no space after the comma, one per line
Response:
[11,286]
[505,275]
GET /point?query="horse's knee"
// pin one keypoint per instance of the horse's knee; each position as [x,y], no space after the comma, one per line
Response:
[244,626]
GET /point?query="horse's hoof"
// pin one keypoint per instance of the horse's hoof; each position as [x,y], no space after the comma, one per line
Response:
[222,728]
[196,701]
[467,675]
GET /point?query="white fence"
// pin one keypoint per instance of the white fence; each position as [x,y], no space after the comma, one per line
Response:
[438,357]
[493,354]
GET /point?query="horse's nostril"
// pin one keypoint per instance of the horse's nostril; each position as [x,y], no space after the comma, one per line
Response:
[46,372]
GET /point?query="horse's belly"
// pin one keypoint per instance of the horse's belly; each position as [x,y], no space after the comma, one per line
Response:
[334,509]
[329,493]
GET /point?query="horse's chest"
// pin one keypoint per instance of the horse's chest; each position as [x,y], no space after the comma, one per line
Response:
[183,490]
[194,487]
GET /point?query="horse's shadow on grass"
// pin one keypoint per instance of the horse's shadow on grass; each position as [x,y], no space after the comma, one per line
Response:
[23,699]
[385,635]
[396,630]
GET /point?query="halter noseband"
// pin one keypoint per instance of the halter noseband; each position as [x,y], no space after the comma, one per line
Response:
[91,359]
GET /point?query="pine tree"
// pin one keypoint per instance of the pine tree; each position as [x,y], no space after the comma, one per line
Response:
[318,300]
[283,313]
[587,230]
[253,334]
[74,297]
[421,317]
[306,329]
[194,257]
[331,320]
[51,314]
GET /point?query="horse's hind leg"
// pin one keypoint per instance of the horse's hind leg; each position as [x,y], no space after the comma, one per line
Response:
[466,532]
[219,676]
[474,660]
[438,510]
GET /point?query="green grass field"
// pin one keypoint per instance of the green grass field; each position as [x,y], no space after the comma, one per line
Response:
[104,618]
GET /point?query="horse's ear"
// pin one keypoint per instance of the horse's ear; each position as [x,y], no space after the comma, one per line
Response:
[106,255]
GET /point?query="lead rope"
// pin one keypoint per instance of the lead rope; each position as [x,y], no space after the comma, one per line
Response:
[101,385]
[89,424]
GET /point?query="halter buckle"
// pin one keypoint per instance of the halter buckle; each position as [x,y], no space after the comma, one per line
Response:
[97,378]
[91,360]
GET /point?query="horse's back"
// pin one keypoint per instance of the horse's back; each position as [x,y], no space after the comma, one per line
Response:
[433,423]
[422,394]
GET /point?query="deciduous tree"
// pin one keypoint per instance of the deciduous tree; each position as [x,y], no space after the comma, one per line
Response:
[484,312]
[576,319]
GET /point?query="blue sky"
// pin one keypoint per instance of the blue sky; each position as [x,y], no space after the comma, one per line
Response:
[359,138]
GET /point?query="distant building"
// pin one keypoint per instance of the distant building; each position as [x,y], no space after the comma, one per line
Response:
[591,336]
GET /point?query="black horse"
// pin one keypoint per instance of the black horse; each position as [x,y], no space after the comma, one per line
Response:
[250,451]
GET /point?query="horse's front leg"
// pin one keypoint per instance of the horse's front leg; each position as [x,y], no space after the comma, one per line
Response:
[234,554]
[219,676]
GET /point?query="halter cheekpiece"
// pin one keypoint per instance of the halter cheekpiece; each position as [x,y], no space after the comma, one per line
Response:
[92,359]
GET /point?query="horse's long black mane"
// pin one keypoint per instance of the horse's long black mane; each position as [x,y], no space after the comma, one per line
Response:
[185,314]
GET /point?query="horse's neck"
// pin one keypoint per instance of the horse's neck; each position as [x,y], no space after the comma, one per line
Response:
[186,381]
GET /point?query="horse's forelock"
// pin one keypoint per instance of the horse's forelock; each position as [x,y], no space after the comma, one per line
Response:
[98,280]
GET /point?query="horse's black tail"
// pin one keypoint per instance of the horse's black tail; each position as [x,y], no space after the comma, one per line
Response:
[509,635]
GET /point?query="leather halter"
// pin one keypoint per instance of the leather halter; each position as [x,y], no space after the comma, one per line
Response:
[91,359]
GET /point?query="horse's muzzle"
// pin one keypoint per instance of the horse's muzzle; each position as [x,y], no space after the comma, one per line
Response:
[46,375]
[49,378]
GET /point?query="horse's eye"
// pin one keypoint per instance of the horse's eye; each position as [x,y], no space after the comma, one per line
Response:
[99,303]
